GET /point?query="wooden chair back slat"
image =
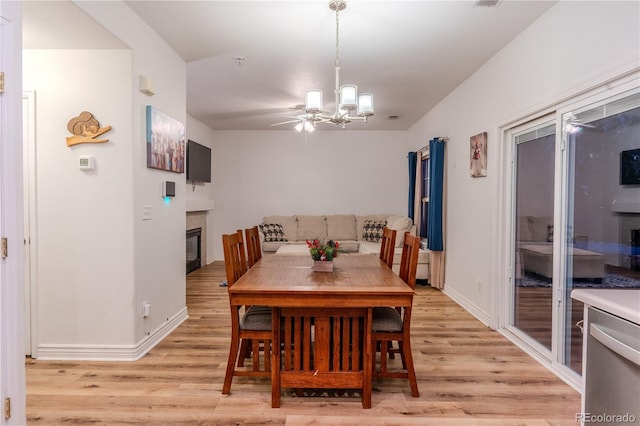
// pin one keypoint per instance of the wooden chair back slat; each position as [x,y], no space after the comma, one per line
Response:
[252,239]
[409,260]
[387,246]
[235,260]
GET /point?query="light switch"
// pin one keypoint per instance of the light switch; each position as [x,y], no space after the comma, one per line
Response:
[146,212]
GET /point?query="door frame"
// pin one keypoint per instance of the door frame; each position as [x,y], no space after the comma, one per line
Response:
[12,367]
[30,215]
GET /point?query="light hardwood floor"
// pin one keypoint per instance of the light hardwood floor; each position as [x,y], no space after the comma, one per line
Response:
[467,375]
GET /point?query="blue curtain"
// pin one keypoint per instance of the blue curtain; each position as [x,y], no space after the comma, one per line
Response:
[436,179]
[413,157]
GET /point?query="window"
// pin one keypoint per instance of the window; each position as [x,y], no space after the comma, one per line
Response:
[424,198]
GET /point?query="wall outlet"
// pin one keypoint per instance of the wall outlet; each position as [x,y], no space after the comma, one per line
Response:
[146,307]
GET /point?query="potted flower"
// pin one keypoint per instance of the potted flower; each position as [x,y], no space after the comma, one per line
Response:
[323,254]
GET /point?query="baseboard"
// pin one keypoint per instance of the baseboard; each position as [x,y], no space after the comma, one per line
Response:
[111,352]
[467,305]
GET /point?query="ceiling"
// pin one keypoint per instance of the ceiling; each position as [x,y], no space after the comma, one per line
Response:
[409,54]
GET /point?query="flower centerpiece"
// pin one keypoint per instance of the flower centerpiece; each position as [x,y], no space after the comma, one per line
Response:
[323,254]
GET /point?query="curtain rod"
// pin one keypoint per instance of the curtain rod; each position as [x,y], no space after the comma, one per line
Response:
[426,148]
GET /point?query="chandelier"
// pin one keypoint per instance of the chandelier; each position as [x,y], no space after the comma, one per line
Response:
[348,105]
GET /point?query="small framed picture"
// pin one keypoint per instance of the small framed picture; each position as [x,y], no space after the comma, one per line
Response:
[165,142]
[479,155]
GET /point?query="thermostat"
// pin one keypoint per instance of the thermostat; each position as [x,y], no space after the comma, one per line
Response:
[86,162]
[168,189]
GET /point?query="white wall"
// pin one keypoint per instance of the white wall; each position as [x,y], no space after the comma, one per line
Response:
[84,225]
[569,48]
[98,259]
[260,173]
[159,243]
[202,194]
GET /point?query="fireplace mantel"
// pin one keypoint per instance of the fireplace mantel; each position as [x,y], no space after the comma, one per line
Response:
[199,205]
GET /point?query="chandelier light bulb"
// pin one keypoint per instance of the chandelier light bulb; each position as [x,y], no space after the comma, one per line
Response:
[313,101]
[365,105]
[348,97]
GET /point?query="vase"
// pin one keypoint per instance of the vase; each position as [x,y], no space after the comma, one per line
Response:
[322,266]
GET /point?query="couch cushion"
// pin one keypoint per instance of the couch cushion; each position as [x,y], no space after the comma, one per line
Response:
[341,227]
[374,248]
[373,230]
[360,223]
[272,232]
[272,246]
[401,224]
[289,225]
[311,227]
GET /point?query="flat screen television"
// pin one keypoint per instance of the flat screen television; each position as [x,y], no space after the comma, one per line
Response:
[630,167]
[198,162]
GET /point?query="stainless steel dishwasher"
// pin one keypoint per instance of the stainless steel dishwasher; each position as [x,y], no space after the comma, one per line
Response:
[612,370]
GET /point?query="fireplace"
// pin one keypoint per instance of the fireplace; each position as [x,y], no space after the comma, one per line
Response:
[194,239]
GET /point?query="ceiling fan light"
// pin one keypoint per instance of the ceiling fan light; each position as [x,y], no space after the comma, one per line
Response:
[348,97]
[365,105]
[309,127]
[313,101]
[299,126]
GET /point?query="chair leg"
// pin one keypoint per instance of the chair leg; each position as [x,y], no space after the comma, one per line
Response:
[245,351]
[392,354]
[383,357]
[411,373]
[233,354]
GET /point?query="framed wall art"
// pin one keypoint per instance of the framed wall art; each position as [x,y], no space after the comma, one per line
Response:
[478,149]
[165,141]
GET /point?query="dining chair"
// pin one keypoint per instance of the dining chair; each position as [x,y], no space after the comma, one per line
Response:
[252,238]
[394,324]
[321,348]
[254,253]
[254,325]
[387,246]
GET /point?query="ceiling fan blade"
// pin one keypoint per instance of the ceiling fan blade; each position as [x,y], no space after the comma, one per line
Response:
[285,122]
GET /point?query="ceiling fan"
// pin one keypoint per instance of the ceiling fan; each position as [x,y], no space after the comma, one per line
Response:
[574,124]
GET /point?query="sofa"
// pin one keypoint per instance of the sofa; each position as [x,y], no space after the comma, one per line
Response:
[355,233]
[535,250]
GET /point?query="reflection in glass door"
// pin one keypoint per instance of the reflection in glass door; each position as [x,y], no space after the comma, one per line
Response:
[532,291]
[603,206]
[576,215]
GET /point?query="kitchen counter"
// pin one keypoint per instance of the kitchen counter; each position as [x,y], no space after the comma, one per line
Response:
[623,303]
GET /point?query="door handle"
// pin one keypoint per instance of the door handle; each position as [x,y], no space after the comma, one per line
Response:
[601,335]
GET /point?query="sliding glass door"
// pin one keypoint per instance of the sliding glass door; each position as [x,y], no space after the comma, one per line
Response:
[575,207]
[603,205]
[534,163]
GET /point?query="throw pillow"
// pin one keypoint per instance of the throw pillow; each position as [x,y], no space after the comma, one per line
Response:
[372,231]
[272,232]
[550,233]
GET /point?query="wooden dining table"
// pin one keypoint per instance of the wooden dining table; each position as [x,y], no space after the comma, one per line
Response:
[357,281]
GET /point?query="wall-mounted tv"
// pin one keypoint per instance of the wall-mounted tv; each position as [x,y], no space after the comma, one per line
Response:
[198,162]
[630,167]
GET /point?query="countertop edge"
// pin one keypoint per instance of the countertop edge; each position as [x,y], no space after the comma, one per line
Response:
[624,303]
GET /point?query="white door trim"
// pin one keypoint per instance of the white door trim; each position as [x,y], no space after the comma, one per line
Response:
[30,215]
